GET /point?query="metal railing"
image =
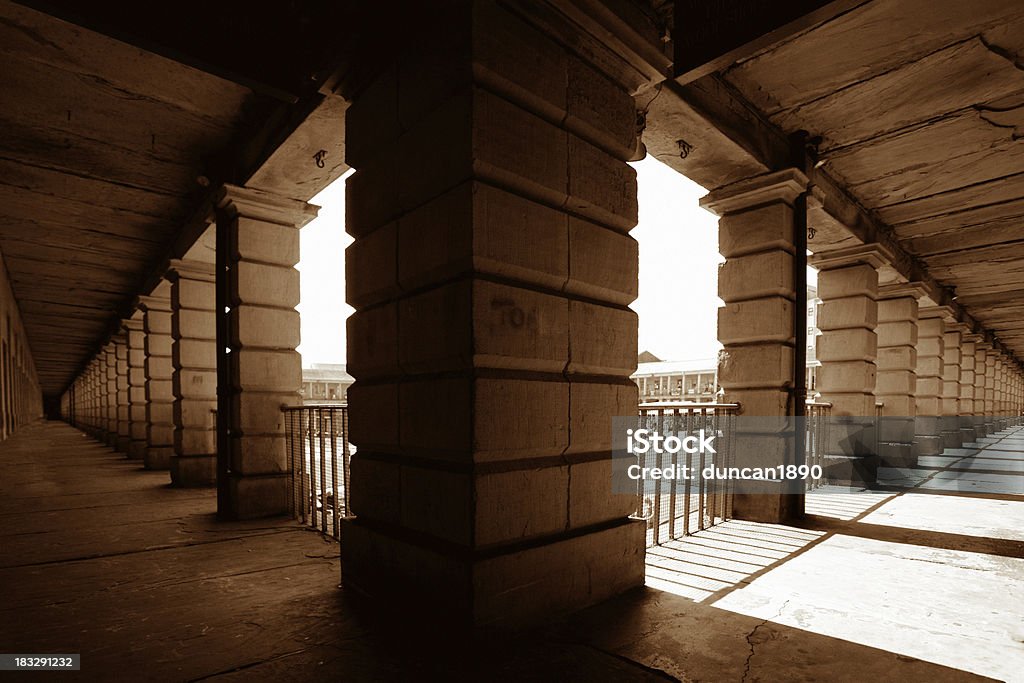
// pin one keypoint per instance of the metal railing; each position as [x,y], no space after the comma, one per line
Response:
[678,508]
[818,418]
[319,459]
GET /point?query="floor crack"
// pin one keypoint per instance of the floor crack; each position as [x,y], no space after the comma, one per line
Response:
[750,640]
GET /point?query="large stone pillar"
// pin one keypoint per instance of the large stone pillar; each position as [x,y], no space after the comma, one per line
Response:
[492,342]
[259,370]
[194,379]
[124,437]
[968,419]
[995,361]
[87,398]
[156,323]
[138,424]
[755,234]
[847,349]
[952,437]
[982,392]
[96,411]
[1004,404]
[101,396]
[110,383]
[896,381]
[1018,406]
[928,399]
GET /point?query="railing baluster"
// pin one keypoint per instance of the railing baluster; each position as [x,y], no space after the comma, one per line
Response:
[712,505]
[303,440]
[318,463]
[323,471]
[673,485]
[335,492]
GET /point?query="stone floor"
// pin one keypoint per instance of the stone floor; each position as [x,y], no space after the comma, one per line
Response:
[101,557]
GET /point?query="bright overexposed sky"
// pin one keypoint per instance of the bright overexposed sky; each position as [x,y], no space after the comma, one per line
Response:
[322,308]
[678,302]
[679,260]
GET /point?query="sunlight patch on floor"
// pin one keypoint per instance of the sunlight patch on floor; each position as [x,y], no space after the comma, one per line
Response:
[954,608]
[698,566]
[982,517]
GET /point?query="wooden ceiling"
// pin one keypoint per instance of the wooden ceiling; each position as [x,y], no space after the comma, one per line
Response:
[121,120]
[101,150]
[919,105]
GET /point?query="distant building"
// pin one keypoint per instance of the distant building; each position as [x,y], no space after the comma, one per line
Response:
[325,383]
[692,381]
[813,305]
[696,381]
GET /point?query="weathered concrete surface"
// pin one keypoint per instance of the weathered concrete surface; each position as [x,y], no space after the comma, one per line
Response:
[112,562]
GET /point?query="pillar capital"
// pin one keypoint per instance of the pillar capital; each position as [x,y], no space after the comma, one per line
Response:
[874,254]
[154,303]
[913,290]
[778,186]
[190,270]
[233,200]
[946,313]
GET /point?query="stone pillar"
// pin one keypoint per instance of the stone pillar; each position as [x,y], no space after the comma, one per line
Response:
[1004,402]
[756,325]
[995,360]
[156,323]
[492,342]
[1014,393]
[110,384]
[124,437]
[1018,408]
[257,249]
[101,396]
[194,380]
[138,424]
[928,399]
[896,382]
[87,399]
[984,380]
[847,349]
[1018,393]
[1007,384]
[96,414]
[968,420]
[952,437]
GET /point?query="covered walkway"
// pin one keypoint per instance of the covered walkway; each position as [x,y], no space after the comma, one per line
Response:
[105,558]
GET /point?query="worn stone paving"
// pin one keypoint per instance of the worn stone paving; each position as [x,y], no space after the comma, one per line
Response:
[102,557]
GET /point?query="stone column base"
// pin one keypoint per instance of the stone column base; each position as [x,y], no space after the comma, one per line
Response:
[137,450]
[158,458]
[851,470]
[193,470]
[464,589]
[952,437]
[255,496]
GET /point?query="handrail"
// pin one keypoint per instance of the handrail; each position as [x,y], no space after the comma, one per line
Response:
[319,462]
[314,405]
[687,404]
